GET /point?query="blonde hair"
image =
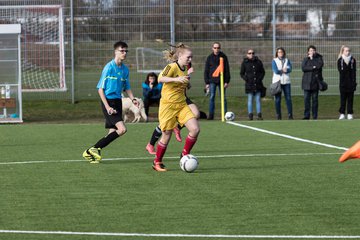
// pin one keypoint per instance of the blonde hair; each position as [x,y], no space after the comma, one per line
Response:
[172,55]
[342,50]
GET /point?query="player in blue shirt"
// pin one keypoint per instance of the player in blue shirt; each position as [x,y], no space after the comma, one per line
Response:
[113,81]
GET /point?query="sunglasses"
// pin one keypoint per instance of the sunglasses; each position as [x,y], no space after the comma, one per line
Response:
[251,53]
[123,51]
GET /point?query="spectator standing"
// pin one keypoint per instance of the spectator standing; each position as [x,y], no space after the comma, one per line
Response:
[211,83]
[312,73]
[346,64]
[151,91]
[282,67]
[252,72]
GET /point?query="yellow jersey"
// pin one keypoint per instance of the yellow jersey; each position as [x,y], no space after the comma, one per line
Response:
[173,92]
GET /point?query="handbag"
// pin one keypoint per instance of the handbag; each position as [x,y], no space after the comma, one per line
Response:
[275,88]
[263,92]
[323,86]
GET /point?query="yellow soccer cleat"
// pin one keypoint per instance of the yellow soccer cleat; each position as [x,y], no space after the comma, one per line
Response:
[93,155]
[87,155]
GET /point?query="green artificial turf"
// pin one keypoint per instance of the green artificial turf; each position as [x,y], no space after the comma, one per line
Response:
[248,182]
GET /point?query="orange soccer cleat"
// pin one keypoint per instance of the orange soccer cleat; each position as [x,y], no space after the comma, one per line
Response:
[353,152]
[150,148]
[177,134]
[159,166]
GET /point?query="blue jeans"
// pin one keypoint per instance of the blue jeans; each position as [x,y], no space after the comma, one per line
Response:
[257,96]
[212,98]
[286,88]
[313,95]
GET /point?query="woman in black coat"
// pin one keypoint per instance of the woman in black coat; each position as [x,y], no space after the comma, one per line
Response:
[252,72]
[347,71]
[312,73]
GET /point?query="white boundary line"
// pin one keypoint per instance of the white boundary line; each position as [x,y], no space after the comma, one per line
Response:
[180,235]
[151,158]
[287,136]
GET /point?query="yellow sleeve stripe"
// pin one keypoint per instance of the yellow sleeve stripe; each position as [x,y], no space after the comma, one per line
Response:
[112,78]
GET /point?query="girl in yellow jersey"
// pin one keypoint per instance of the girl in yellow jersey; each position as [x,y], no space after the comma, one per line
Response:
[173,108]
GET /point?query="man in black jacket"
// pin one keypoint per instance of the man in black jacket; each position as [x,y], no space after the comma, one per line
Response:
[211,83]
[312,73]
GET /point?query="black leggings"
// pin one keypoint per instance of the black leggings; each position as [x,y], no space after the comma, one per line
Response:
[148,102]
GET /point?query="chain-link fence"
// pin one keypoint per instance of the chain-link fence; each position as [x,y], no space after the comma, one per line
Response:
[92,26]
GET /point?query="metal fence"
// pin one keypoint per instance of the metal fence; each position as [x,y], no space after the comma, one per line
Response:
[92,26]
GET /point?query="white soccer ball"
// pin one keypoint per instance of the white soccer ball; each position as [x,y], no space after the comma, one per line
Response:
[189,163]
[229,116]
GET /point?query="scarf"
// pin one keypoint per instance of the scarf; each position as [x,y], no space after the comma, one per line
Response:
[346,59]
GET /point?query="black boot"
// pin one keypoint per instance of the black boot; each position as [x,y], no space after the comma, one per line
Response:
[278,117]
[251,116]
[259,116]
[210,117]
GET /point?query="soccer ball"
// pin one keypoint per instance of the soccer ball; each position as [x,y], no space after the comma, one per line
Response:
[229,116]
[189,163]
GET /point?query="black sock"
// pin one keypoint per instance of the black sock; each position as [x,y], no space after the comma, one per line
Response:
[180,127]
[106,140]
[155,136]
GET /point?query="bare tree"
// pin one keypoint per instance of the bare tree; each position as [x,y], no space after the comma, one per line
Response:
[347,19]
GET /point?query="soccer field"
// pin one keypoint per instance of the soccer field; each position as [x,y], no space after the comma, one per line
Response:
[284,182]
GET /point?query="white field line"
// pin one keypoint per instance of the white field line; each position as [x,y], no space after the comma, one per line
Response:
[180,235]
[151,158]
[287,136]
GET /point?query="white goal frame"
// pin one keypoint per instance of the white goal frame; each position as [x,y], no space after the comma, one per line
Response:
[11,87]
[142,65]
[60,44]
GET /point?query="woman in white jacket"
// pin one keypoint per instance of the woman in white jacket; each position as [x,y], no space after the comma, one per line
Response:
[281,67]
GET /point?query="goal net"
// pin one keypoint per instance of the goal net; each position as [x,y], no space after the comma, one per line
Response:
[42,45]
[149,60]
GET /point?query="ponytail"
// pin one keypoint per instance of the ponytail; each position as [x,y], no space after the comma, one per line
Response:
[171,55]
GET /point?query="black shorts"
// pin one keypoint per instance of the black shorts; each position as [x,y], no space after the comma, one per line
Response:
[188,101]
[111,120]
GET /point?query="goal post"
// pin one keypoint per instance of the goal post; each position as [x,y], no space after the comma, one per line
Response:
[10,74]
[149,60]
[42,45]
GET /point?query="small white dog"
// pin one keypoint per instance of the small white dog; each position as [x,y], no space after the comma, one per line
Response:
[128,106]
